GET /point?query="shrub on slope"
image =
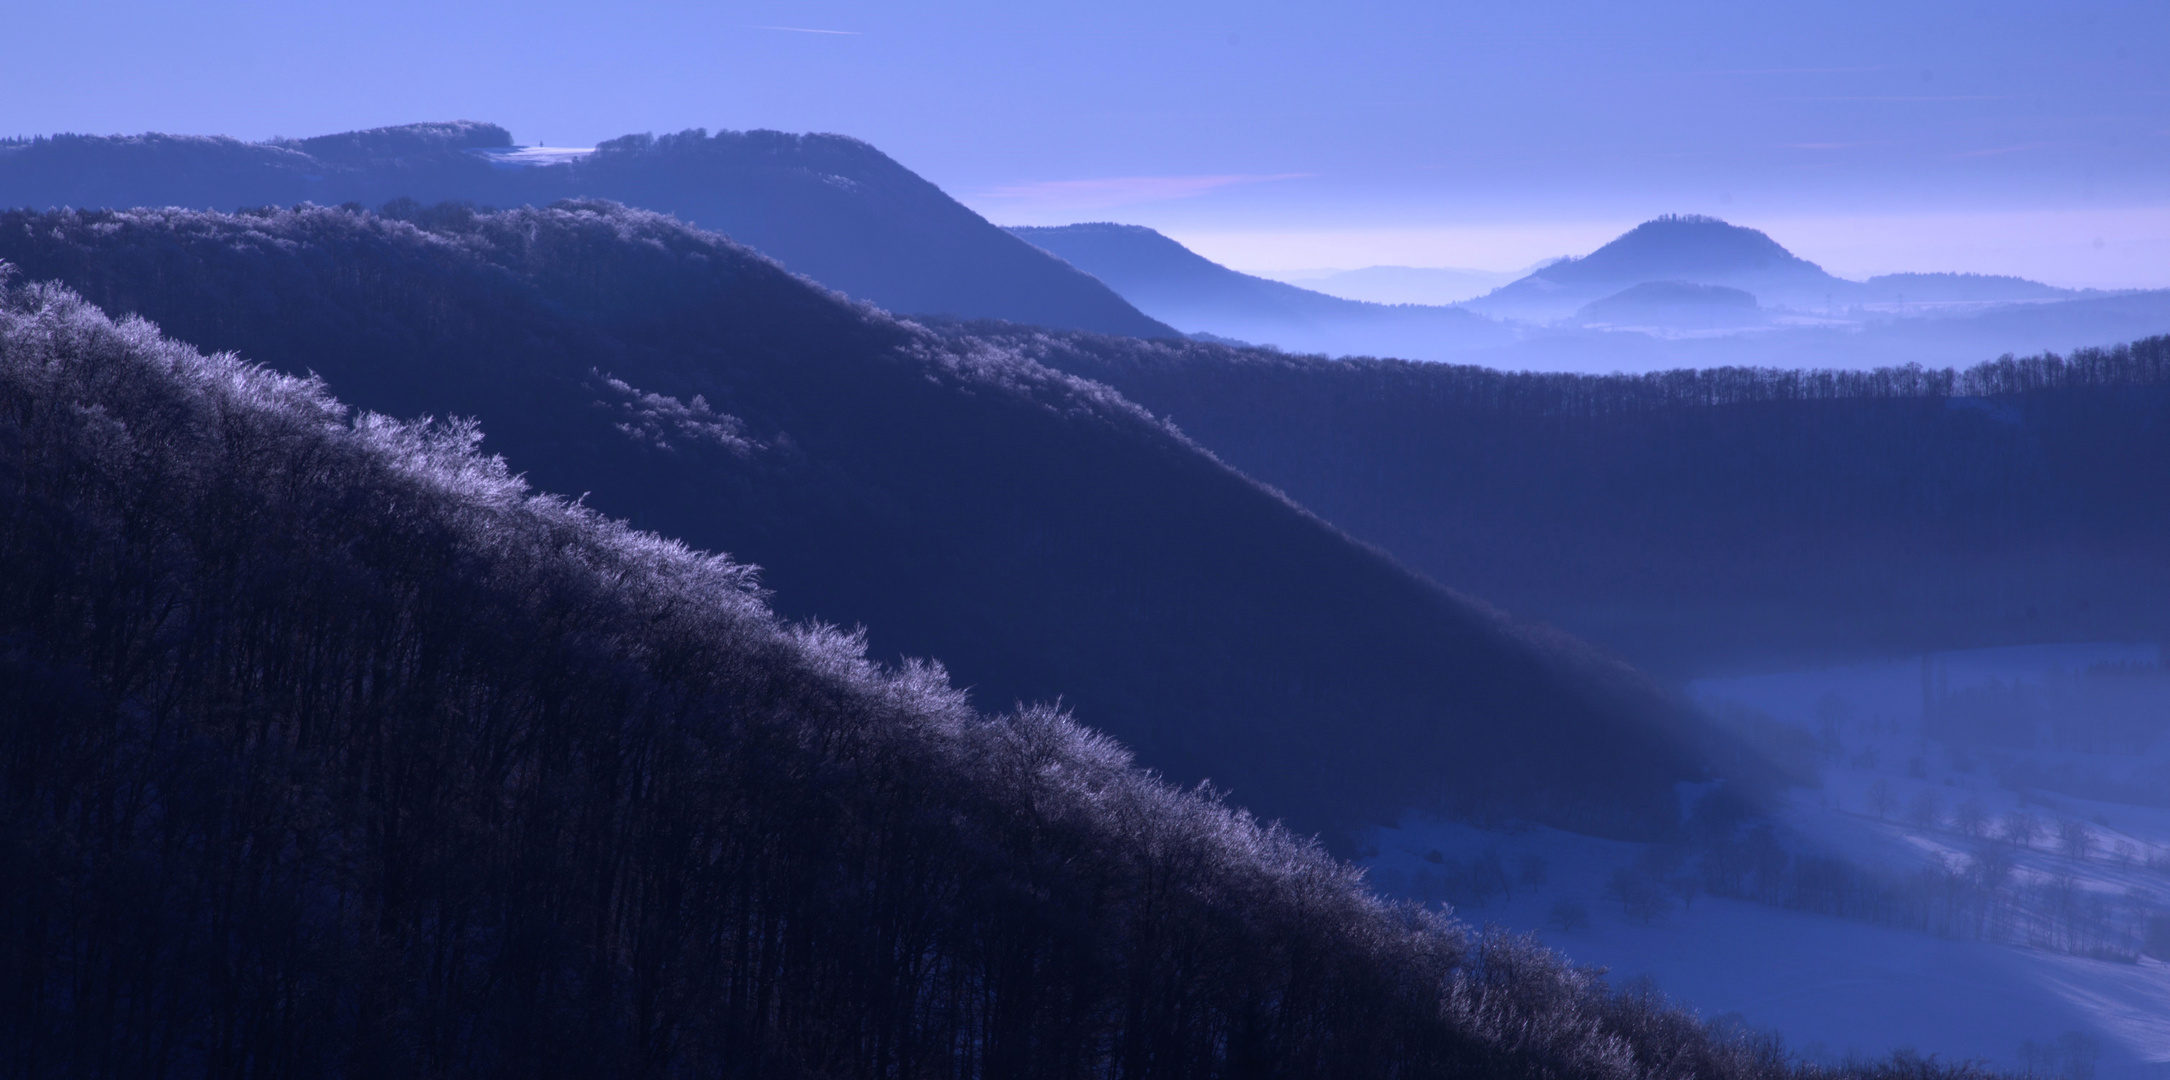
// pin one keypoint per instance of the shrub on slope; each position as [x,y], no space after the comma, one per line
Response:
[329,749]
[1040,534]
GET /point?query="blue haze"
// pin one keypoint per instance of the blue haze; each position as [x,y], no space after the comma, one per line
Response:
[1229,124]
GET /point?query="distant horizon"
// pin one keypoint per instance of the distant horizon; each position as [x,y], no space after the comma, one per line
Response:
[2069,248]
[1856,248]
[1986,136]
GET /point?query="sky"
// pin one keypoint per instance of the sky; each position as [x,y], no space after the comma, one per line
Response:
[1996,136]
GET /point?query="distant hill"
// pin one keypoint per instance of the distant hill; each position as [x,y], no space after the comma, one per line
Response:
[1674,304]
[830,207]
[1689,248]
[1038,534]
[1877,333]
[1963,288]
[1192,293]
[1437,285]
[1699,521]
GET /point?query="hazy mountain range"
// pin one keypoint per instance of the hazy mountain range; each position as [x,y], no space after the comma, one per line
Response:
[830,207]
[332,739]
[1697,250]
[1187,291]
[1435,285]
[1677,291]
[844,214]
[1037,534]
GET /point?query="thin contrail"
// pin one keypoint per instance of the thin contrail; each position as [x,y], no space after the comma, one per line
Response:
[805,30]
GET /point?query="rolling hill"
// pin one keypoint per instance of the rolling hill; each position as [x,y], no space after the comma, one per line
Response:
[1195,294]
[1701,250]
[830,207]
[1688,248]
[1040,535]
[1703,521]
[335,750]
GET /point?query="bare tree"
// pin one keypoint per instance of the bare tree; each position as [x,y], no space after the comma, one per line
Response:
[2075,839]
[1568,914]
[2021,827]
[1881,800]
[1926,809]
[1990,868]
[1534,872]
[1686,887]
[1970,818]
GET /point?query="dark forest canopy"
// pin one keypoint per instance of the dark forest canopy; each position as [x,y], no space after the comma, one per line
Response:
[1696,520]
[1040,535]
[330,749]
[828,206]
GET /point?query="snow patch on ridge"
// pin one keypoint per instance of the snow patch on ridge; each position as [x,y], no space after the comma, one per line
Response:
[531,157]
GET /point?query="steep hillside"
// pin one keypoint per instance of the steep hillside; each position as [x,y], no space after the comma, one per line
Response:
[1190,292]
[1041,536]
[830,207]
[332,750]
[1696,520]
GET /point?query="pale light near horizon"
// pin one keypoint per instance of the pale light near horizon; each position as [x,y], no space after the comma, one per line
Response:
[2107,249]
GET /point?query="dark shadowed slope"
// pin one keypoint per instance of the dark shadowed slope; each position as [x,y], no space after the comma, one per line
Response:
[1039,534]
[1192,293]
[1695,520]
[332,751]
[830,207]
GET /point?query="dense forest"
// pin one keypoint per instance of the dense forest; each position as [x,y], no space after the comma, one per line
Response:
[329,748]
[1699,519]
[830,207]
[1040,535]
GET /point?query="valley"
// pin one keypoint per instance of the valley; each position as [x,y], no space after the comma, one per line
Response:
[713,602]
[1936,899]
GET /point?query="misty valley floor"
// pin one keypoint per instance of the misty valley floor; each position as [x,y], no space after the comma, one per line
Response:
[1836,987]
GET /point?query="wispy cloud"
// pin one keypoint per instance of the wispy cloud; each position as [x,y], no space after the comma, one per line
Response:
[1122,190]
[806,30]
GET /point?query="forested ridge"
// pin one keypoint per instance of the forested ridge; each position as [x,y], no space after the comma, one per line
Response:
[329,748]
[1699,519]
[829,206]
[1039,534]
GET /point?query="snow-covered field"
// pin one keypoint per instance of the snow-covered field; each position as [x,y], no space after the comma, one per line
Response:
[2024,952]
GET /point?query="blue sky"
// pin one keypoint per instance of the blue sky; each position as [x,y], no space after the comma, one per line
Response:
[2000,136]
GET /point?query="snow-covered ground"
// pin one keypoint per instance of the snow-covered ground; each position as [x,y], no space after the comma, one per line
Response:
[2056,986]
[528,157]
